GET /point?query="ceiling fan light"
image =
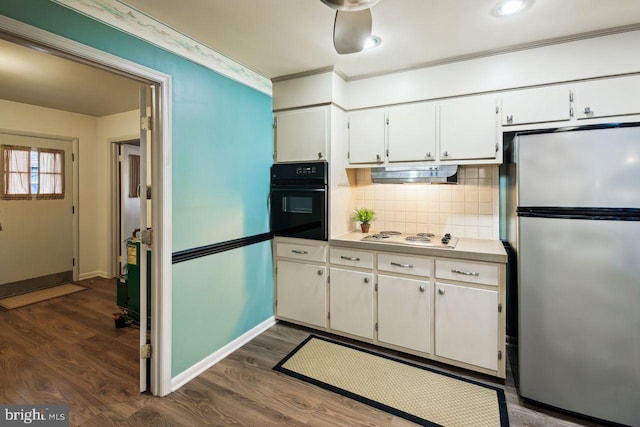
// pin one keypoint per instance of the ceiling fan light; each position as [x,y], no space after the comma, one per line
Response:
[372,41]
[510,7]
[350,5]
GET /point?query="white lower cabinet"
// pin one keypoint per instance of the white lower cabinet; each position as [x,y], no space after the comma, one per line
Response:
[301,292]
[404,312]
[351,302]
[466,325]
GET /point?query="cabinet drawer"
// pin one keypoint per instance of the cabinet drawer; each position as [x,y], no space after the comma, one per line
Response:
[406,264]
[351,258]
[305,252]
[467,271]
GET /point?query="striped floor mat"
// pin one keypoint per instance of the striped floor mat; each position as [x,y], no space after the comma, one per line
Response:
[411,391]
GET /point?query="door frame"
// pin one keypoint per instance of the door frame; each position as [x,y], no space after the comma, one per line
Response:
[113,269]
[161,192]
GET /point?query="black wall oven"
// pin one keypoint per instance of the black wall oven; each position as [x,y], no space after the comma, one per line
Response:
[300,200]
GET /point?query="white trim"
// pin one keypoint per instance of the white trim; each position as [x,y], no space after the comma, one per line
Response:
[92,274]
[161,255]
[75,146]
[187,375]
[147,28]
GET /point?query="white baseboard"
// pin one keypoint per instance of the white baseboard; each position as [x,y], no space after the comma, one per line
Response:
[102,274]
[192,372]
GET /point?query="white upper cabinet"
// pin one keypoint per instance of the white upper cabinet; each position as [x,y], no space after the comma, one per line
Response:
[608,97]
[539,105]
[367,136]
[412,132]
[468,128]
[302,135]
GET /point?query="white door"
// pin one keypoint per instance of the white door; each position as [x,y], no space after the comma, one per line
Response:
[129,196]
[467,325]
[302,292]
[367,136]
[351,302]
[468,128]
[412,132]
[608,97]
[302,135]
[148,109]
[537,105]
[36,232]
[404,312]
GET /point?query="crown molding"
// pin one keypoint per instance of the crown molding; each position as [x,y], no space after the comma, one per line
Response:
[138,24]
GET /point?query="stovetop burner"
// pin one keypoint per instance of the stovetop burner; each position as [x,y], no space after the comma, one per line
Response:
[425,234]
[422,239]
[379,236]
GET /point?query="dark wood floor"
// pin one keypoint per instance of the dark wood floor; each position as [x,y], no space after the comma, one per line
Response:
[67,351]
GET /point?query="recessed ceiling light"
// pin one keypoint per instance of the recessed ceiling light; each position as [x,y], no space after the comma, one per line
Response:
[510,7]
[372,41]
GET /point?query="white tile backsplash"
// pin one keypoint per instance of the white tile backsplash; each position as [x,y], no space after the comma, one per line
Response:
[468,209]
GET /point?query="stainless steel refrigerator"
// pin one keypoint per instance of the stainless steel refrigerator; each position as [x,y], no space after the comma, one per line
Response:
[574,223]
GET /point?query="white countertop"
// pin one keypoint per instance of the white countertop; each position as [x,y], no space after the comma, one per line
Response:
[470,249]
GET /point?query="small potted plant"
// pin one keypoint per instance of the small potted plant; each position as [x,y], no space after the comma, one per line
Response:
[365,216]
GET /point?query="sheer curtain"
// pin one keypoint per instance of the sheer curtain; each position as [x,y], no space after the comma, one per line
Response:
[16,171]
[50,174]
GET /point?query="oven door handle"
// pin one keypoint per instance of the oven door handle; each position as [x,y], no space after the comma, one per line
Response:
[300,189]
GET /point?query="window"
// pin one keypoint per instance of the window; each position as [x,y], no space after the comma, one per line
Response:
[16,168]
[27,172]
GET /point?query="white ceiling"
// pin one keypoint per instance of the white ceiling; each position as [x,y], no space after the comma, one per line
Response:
[283,37]
[32,77]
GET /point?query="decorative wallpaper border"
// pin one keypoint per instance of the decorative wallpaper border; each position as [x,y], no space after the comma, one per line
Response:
[136,23]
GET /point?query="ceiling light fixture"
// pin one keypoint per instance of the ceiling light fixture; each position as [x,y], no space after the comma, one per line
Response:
[350,5]
[372,41]
[510,7]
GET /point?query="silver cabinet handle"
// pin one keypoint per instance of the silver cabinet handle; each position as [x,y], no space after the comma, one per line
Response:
[465,273]
[378,158]
[397,264]
[319,155]
[429,155]
[445,154]
[299,252]
[441,291]
[366,280]
[587,110]
[509,118]
[423,288]
[348,258]
[320,272]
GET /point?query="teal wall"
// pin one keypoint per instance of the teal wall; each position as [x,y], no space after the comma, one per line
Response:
[222,148]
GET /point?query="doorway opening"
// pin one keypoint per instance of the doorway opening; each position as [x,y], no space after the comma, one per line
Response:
[158,84]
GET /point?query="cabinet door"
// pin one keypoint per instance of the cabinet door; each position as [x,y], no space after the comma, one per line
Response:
[351,302]
[468,128]
[466,325]
[412,132]
[609,97]
[302,292]
[367,136]
[404,312]
[538,105]
[302,135]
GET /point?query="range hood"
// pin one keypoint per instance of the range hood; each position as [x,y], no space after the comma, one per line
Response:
[440,174]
